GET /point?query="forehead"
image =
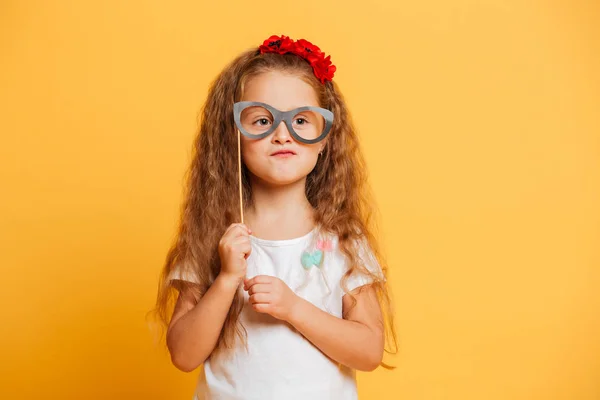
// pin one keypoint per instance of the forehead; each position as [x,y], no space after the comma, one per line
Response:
[280,90]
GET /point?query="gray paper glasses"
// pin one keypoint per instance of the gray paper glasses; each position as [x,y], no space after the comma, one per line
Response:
[308,124]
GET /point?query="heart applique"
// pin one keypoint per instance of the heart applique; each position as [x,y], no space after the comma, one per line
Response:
[311,259]
[324,245]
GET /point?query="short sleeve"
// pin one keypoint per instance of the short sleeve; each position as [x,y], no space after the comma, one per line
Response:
[369,261]
[178,274]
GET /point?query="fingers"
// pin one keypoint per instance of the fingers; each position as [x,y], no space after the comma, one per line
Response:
[257,279]
[259,288]
[259,298]
[234,248]
[237,236]
[243,243]
[237,229]
[262,308]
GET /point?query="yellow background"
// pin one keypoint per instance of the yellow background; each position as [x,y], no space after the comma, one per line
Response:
[480,123]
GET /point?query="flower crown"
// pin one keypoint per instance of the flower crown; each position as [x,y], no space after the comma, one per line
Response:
[320,64]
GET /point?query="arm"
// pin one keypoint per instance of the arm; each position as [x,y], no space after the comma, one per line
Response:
[356,341]
[196,324]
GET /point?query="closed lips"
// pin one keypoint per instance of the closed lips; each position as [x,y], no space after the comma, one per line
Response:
[283,152]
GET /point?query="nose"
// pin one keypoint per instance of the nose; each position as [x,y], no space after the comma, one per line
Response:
[281,133]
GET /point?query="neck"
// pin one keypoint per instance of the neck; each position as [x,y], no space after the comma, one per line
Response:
[279,210]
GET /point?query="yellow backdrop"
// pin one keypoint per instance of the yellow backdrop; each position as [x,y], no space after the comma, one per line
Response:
[480,123]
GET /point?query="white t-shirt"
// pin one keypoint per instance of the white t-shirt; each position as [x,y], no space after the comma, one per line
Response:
[281,363]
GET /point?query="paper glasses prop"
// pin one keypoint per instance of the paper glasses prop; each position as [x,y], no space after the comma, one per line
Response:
[256,120]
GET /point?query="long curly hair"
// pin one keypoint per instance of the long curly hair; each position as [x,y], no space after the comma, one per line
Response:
[337,188]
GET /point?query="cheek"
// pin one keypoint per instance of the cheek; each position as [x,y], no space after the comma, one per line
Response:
[249,148]
[312,156]
[252,151]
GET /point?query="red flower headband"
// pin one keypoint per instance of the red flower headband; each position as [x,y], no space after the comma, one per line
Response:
[320,64]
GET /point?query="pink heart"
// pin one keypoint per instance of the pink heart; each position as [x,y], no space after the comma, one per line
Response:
[324,245]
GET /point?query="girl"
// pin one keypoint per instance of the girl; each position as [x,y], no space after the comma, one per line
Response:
[289,304]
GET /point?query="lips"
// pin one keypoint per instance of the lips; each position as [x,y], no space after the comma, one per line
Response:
[290,152]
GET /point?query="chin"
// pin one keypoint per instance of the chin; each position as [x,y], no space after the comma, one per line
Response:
[283,179]
[283,176]
[280,175]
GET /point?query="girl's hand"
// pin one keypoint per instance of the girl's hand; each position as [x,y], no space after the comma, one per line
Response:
[234,249]
[272,296]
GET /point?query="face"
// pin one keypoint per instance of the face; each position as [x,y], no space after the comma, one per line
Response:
[284,92]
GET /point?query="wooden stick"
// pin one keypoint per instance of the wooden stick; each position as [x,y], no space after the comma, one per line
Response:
[240,175]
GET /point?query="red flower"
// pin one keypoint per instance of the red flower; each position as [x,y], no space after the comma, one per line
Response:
[323,69]
[277,44]
[321,65]
[308,51]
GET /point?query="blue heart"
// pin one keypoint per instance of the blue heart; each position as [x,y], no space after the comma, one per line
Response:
[310,259]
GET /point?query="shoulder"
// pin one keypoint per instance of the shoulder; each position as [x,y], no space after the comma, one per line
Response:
[181,273]
[367,267]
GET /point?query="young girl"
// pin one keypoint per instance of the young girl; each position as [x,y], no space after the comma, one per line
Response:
[288,304]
